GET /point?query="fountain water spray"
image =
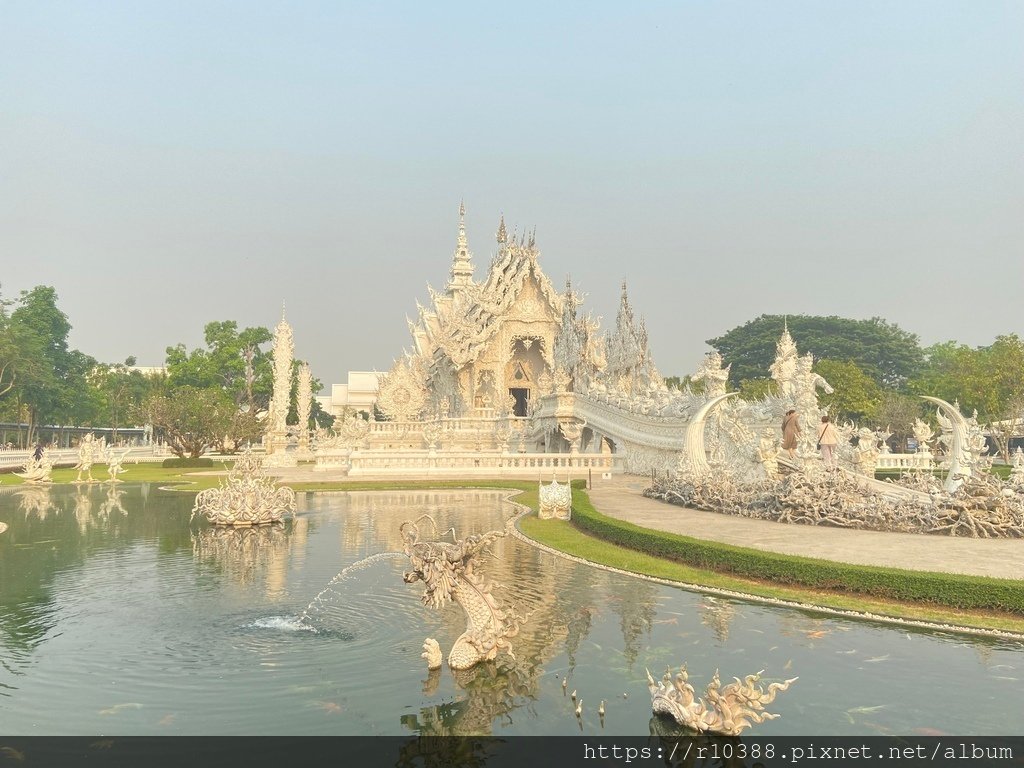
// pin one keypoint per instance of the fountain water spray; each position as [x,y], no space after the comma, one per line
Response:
[357,566]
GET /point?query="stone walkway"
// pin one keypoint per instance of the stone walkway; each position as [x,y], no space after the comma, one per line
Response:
[621,498]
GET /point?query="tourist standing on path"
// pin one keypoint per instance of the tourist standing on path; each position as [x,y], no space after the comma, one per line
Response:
[827,442]
[790,432]
[37,454]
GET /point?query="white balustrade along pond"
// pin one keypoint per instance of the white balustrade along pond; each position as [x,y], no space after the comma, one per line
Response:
[118,617]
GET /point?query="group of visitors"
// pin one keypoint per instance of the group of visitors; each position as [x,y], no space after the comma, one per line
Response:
[828,439]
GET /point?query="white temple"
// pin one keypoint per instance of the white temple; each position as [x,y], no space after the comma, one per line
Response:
[505,375]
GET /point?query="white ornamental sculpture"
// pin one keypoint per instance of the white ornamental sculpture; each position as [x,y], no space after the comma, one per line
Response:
[248,497]
[1017,473]
[89,449]
[784,368]
[555,501]
[276,435]
[115,459]
[304,402]
[714,376]
[37,471]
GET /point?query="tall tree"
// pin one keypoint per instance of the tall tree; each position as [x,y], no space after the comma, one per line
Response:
[884,351]
[232,361]
[51,378]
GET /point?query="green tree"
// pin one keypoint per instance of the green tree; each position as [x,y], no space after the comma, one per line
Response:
[897,413]
[191,419]
[233,361]
[757,388]
[51,379]
[122,392]
[856,397]
[888,354]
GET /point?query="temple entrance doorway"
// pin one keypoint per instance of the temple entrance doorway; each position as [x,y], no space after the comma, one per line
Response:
[522,398]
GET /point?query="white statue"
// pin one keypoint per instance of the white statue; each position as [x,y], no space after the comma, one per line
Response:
[275,437]
[714,376]
[88,451]
[768,452]
[923,434]
[114,460]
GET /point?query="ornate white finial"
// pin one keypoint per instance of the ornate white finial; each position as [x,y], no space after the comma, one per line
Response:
[282,309]
[502,233]
[462,267]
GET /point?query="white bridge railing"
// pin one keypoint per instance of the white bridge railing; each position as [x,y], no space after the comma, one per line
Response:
[905,461]
[479,463]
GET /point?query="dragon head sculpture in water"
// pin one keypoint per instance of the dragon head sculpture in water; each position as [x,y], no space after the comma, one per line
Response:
[448,572]
[725,710]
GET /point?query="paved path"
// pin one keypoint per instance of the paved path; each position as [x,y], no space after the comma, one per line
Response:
[621,498]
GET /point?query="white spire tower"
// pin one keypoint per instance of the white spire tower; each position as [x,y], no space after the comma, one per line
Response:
[462,266]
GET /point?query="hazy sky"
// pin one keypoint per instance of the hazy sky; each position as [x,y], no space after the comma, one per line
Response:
[165,164]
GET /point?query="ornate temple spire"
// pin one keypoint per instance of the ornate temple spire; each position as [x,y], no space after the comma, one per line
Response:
[502,232]
[462,266]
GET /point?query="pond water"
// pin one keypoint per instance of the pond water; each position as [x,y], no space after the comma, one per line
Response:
[116,617]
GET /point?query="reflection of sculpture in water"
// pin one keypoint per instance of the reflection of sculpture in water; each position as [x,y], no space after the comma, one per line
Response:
[243,553]
[725,710]
[113,502]
[448,572]
[34,501]
[492,690]
[717,614]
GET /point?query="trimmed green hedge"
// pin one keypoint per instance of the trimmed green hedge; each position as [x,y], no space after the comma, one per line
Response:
[187,463]
[950,590]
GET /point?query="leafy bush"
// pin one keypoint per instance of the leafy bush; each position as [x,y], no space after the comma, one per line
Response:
[187,463]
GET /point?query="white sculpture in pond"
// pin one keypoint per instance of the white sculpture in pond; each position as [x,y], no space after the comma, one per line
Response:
[725,710]
[115,459]
[248,497]
[37,470]
[89,449]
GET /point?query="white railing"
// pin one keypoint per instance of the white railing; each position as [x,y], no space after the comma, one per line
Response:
[465,463]
[905,461]
[69,456]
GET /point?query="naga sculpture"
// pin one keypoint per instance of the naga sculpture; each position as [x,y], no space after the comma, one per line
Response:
[248,498]
[725,710]
[448,572]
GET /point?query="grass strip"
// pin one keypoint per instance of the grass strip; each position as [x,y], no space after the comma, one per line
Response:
[957,591]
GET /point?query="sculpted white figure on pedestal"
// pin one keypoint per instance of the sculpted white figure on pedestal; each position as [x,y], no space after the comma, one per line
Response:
[37,470]
[89,449]
[923,434]
[1017,473]
[714,376]
[783,370]
[276,431]
[768,451]
[115,458]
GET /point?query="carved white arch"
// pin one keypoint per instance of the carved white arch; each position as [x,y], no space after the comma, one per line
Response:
[695,436]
